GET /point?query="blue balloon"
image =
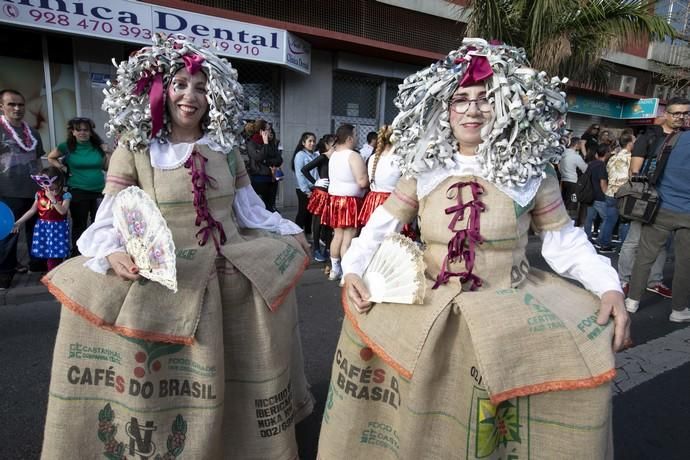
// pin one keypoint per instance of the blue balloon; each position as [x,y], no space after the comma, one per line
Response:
[6,220]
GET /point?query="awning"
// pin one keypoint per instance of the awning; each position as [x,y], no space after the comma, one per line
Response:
[613,108]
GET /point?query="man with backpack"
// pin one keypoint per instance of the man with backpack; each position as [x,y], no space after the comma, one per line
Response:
[668,170]
[598,181]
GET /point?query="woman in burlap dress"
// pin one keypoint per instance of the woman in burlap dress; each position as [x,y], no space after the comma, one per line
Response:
[501,360]
[215,369]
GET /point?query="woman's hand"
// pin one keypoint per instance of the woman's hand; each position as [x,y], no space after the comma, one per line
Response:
[264,135]
[123,266]
[357,292]
[613,305]
[302,240]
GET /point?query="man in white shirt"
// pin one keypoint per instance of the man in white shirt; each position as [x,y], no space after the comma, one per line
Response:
[570,163]
[367,149]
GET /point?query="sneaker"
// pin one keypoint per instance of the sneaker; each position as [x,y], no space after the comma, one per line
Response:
[607,249]
[680,316]
[661,289]
[632,305]
[335,275]
[319,257]
[626,288]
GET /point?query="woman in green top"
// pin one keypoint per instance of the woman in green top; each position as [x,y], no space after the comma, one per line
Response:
[83,157]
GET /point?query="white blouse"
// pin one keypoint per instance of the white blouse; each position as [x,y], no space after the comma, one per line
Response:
[102,239]
[387,173]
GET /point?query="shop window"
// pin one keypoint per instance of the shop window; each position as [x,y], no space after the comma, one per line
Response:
[355,101]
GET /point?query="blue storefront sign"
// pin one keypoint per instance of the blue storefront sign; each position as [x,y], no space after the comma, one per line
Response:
[609,108]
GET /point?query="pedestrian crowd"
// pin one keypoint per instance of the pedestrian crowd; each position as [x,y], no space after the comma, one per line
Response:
[593,169]
[215,368]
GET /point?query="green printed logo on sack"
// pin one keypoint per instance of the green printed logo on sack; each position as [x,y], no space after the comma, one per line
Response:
[285,258]
[496,426]
[381,435]
[81,351]
[140,436]
[544,319]
[590,327]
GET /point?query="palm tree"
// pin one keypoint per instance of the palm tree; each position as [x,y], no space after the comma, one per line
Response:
[569,37]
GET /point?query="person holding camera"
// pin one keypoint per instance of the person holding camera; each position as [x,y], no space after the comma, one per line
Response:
[264,158]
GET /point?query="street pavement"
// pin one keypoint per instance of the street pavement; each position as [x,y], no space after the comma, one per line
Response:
[651,402]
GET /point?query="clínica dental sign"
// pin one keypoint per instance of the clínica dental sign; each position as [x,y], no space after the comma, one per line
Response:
[136,22]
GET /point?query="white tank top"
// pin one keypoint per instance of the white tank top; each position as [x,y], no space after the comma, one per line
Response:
[387,172]
[342,181]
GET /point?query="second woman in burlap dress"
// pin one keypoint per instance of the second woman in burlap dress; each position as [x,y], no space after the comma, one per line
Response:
[215,369]
[502,361]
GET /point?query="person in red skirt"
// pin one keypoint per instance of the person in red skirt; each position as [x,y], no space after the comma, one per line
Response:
[347,173]
[383,174]
[318,200]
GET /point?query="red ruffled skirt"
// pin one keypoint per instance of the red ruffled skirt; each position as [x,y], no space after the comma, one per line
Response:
[318,201]
[342,211]
[372,201]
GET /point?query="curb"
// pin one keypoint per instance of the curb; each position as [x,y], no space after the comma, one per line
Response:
[25,294]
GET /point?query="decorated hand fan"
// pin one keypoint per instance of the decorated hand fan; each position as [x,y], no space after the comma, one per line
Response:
[396,272]
[146,236]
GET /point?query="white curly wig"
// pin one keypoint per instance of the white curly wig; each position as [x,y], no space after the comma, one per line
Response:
[128,103]
[523,135]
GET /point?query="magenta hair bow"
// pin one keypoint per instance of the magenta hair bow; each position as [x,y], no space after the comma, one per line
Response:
[156,99]
[192,62]
[478,70]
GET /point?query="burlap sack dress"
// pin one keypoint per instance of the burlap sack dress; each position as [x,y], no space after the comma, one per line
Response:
[515,369]
[213,371]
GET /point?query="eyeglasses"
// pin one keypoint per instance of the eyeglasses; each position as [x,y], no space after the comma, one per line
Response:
[679,114]
[462,105]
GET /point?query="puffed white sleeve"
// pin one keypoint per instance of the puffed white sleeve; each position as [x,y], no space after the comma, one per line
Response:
[101,238]
[251,212]
[570,254]
[362,248]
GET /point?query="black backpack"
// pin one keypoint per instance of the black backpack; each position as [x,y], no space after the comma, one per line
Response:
[585,187]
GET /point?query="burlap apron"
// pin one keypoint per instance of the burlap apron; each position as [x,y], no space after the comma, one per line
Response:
[213,371]
[517,369]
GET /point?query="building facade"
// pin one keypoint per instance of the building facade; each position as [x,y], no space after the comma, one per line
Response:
[306,65]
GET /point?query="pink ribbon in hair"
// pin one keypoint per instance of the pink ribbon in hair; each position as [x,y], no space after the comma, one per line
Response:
[192,62]
[477,71]
[156,99]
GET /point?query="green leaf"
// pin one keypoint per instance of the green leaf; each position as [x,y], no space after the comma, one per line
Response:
[178,451]
[103,436]
[179,425]
[106,414]
[112,456]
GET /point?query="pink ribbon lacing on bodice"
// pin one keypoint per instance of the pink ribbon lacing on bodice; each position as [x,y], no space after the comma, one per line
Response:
[462,245]
[196,163]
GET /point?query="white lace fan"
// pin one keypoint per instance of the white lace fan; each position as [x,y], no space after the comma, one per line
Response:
[146,236]
[396,272]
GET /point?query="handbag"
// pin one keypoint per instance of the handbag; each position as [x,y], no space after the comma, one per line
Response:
[638,200]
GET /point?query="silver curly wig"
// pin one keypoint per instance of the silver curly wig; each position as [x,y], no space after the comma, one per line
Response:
[128,103]
[523,134]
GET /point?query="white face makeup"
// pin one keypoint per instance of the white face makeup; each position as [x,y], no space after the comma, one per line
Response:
[467,126]
[187,102]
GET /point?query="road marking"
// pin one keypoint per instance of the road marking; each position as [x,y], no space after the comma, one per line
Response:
[644,362]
